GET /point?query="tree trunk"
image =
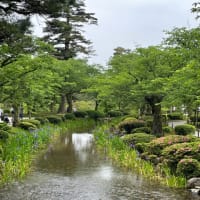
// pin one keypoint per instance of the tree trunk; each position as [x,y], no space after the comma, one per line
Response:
[96,105]
[154,101]
[62,105]
[69,101]
[15,115]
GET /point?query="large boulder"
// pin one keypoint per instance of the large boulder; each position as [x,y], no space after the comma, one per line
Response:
[193,183]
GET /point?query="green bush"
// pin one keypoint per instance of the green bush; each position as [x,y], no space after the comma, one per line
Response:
[69,116]
[194,118]
[132,139]
[175,116]
[188,168]
[114,113]
[142,147]
[27,126]
[142,130]
[177,152]
[3,135]
[168,129]
[184,129]
[129,125]
[54,119]
[94,114]
[32,121]
[157,145]
[4,127]
[80,114]
[42,120]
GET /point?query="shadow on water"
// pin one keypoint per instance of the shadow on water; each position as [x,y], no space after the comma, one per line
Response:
[72,169]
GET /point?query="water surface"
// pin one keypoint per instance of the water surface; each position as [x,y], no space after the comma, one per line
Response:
[72,169]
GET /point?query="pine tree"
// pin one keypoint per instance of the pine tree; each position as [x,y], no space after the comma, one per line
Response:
[64,30]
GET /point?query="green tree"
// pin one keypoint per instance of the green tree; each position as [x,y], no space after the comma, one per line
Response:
[64,29]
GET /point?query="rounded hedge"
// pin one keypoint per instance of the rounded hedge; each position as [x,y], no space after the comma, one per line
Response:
[132,139]
[129,125]
[54,119]
[80,114]
[188,168]
[42,120]
[141,130]
[93,114]
[184,129]
[69,116]
[175,116]
[167,129]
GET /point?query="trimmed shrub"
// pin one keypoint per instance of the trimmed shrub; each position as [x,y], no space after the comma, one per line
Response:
[141,147]
[42,120]
[80,114]
[129,125]
[177,152]
[157,145]
[175,116]
[27,126]
[32,121]
[142,130]
[137,138]
[54,119]
[188,168]
[3,135]
[194,118]
[184,129]
[114,113]
[4,127]
[69,116]
[93,114]
[168,129]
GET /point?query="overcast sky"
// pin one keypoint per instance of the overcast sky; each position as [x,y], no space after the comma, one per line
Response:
[129,23]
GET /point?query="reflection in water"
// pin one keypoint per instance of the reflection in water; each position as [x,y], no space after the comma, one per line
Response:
[72,169]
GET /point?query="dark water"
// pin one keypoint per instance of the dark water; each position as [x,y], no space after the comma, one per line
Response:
[72,169]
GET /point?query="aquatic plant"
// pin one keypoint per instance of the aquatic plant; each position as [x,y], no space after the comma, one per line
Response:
[127,157]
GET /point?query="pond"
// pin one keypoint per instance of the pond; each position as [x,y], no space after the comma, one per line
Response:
[72,169]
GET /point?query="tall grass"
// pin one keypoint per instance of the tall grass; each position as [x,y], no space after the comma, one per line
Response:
[127,157]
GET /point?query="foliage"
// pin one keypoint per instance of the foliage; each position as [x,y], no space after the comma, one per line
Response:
[94,114]
[113,113]
[168,129]
[132,139]
[32,121]
[80,114]
[3,135]
[175,116]
[4,127]
[69,116]
[141,130]
[129,125]
[42,120]
[54,119]
[189,168]
[27,125]
[157,145]
[184,129]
